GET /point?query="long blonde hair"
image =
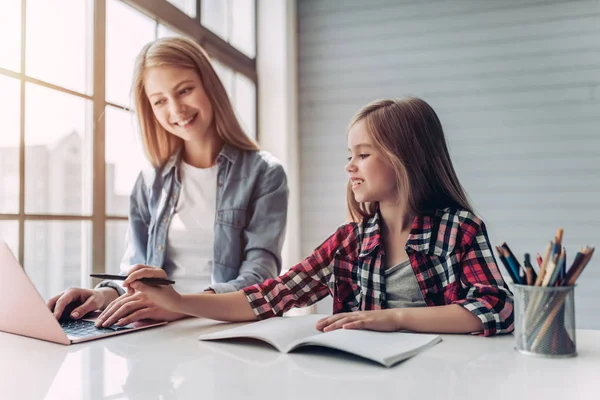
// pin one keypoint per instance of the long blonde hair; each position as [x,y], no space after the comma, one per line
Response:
[180,52]
[410,136]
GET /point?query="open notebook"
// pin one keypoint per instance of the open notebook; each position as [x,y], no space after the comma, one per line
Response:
[289,333]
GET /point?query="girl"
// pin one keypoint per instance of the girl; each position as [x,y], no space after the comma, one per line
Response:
[211,211]
[415,257]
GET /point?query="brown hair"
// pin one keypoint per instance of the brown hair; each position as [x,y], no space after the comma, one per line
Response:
[159,144]
[410,136]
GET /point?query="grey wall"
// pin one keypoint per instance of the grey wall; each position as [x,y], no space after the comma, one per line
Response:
[516,84]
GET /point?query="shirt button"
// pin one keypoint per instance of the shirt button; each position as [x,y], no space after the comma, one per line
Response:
[165,219]
[160,248]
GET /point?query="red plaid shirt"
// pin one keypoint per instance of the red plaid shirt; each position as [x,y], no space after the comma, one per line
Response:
[449,252]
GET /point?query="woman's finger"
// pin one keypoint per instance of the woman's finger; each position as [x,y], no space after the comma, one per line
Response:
[137,267]
[123,311]
[112,307]
[148,272]
[142,313]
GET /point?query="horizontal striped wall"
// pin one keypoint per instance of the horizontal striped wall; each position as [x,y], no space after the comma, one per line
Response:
[516,84]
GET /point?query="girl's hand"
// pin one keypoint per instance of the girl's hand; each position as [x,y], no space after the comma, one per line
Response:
[376,320]
[163,295]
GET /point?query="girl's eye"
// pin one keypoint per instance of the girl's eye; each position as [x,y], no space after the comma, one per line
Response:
[186,90]
[361,156]
[158,102]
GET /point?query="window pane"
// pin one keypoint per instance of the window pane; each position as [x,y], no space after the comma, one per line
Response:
[165,31]
[226,75]
[57,255]
[187,6]
[59,42]
[9,145]
[214,16]
[245,103]
[10,27]
[57,152]
[243,33]
[127,31]
[9,233]
[115,245]
[124,159]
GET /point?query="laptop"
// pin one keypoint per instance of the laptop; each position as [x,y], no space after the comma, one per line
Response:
[24,312]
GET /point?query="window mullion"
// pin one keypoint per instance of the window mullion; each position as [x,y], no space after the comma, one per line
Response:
[21,254]
[98,157]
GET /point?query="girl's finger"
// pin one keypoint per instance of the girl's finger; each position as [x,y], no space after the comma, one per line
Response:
[329,320]
[360,324]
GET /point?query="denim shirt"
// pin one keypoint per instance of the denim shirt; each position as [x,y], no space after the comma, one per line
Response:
[250,219]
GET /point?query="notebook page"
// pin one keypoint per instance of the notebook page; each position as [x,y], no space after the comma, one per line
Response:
[279,332]
[383,347]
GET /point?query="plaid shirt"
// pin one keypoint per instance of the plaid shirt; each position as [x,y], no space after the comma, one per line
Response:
[449,253]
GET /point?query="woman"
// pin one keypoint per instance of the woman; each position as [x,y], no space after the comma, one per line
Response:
[211,211]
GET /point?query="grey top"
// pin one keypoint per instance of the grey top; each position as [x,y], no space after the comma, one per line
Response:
[402,288]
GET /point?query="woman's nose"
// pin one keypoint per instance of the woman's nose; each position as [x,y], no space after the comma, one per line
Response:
[177,108]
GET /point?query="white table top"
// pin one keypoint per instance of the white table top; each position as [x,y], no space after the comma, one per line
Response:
[169,362]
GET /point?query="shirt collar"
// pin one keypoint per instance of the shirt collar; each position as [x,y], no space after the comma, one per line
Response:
[419,238]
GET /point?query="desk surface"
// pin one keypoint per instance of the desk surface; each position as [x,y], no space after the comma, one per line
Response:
[169,362]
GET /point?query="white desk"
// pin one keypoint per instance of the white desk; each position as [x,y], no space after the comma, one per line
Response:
[170,363]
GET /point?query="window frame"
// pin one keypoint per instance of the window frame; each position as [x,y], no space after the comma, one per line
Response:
[162,12]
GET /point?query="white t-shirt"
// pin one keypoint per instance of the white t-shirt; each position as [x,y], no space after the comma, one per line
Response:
[190,238]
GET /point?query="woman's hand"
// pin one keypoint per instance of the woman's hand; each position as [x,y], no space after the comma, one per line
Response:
[136,304]
[376,320]
[79,301]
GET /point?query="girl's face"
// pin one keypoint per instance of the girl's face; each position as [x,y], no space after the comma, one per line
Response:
[371,176]
[179,101]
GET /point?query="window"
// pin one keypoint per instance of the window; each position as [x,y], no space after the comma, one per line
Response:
[69,23]
[10,27]
[127,31]
[56,122]
[234,21]
[53,203]
[9,145]
[124,159]
[242,92]
[187,6]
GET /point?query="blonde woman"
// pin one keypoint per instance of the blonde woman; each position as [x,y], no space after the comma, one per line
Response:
[211,212]
[415,257]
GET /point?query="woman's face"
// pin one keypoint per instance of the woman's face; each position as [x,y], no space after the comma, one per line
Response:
[371,176]
[179,102]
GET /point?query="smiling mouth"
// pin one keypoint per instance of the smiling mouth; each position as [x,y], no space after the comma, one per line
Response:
[185,122]
[356,183]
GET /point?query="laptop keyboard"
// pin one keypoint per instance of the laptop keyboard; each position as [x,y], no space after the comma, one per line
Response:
[80,328]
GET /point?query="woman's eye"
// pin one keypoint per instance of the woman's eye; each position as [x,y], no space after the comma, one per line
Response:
[363,156]
[158,102]
[186,90]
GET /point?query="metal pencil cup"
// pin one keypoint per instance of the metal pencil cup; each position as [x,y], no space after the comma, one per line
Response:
[545,320]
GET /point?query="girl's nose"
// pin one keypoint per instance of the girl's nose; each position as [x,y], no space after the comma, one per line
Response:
[350,167]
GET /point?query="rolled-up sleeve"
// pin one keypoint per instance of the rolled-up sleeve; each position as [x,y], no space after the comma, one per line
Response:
[485,292]
[305,283]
